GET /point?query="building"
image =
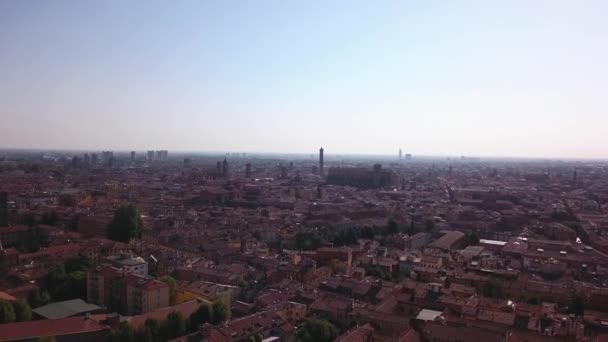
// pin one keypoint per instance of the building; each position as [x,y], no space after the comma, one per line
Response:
[124,292]
[449,241]
[321,168]
[132,156]
[128,263]
[248,170]
[150,155]
[71,329]
[408,156]
[160,155]
[207,291]
[417,241]
[225,169]
[400,154]
[326,254]
[67,308]
[107,156]
[361,177]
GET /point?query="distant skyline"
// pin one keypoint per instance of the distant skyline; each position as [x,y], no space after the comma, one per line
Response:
[476,78]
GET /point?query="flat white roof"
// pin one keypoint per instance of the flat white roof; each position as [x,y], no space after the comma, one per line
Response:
[428,315]
[492,242]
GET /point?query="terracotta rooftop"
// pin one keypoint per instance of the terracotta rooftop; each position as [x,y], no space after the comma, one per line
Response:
[52,327]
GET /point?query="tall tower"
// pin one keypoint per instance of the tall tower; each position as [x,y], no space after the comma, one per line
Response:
[400,153]
[225,168]
[321,170]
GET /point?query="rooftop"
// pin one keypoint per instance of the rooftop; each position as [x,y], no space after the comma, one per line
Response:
[65,309]
[52,327]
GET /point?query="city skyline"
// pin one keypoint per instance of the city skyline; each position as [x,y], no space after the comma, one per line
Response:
[473,78]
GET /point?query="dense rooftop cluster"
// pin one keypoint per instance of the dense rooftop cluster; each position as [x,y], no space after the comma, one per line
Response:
[280,248]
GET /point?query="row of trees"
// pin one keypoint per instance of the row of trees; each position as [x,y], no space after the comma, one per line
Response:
[17,311]
[311,241]
[175,325]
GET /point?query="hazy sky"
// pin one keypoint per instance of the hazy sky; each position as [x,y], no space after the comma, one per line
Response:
[507,78]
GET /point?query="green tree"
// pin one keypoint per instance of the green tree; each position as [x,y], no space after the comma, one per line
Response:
[76,285]
[4,264]
[391,228]
[221,311]
[28,219]
[7,313]
[67,200]
[367,232]
[126,333]
[176,325]
[49,218]
[46,339]
[204,314]
[429,224]
[57,282]
[150,331]
[172,287]
[472,239]
[308,241]
[112,336]
[578,306]
[77,264]
[126,224]
[38,298]
[317,330]
[23,311]
[412,229]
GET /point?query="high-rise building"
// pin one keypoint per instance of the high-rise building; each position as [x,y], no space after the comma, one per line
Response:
[3,209]
[248,170]
[132,156]
[400,153]
[106,156]
[94,158]
[408,156]
[225,171]
[150,155]
[160,155]
[321,171]
[283,172]
[75,162]
[87,159]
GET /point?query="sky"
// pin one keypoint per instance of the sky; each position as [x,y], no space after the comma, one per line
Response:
[478,78]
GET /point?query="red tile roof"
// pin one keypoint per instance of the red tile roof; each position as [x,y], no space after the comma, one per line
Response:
[51,327]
